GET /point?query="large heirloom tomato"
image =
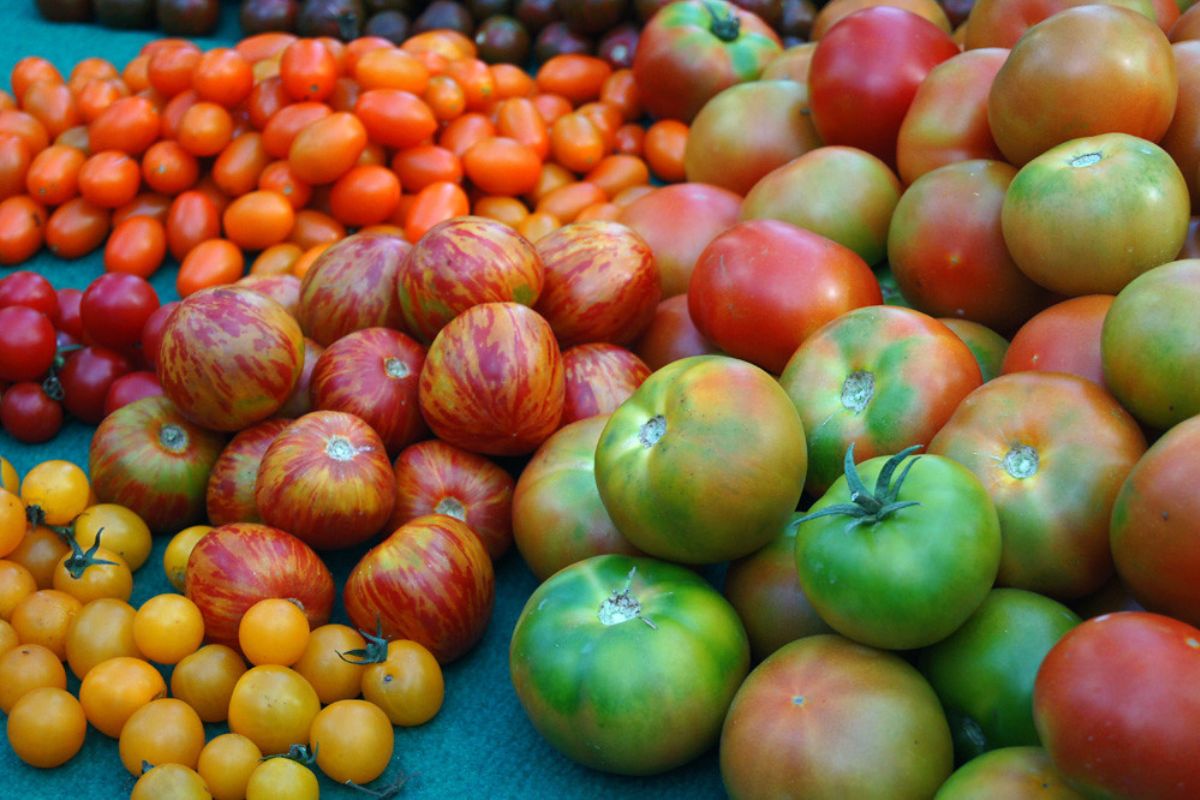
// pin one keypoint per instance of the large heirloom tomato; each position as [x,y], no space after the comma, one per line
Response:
[229,496]
[1062,338]
[147,457]
[430,581]
[1083,72]
[351,286]
[1155,527]
[825,717]
[898,555]
[463,262]
[1182,139]
[1009,772]
[1117,704]
[327,480]
[880,377]
[229,357]
[599,377]
[691,50]
[865,73]
[1001,23]
[493,380]
[628,664]
[234,566]
[762,287]
[704,462]
[1150,345]
[1058,215]
[1052,451]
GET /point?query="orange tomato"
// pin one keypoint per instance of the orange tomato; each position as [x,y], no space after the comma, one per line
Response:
[365,195]
[664,146]
[224,76]
[435,203]
[130,124]
[391,69]
[326,149]
[22,227]
[308,70]
[258,219]
[239,166]
[215,262]
[576,143]
[137,245]
[418,167]
[168,168]
[395,118]
[502,166]
[53,105]
[578,78]
[76,228]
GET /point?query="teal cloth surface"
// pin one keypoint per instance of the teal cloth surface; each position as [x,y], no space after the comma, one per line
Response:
[481,744]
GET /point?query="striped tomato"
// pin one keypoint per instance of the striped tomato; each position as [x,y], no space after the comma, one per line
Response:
[599,378]
[230,493]
[350,287]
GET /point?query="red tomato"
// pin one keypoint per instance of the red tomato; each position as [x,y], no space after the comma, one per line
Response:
[672,335]
[599,377]
[115,307]
[1063,338]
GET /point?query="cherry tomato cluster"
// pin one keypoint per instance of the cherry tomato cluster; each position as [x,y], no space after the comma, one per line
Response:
[66,351]
[280,145]
[66,577]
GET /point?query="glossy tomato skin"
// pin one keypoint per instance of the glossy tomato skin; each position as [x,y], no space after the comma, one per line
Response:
[947,250]
[299,402]
[601,283]
[1116,704]
[234,566]
[1150,346]
[865,73]
[148,457]
[911,578]
[762,287]
[463,262]
[704,462]
[557,515]
[327,480]
[352,286]
[230,357]
[1062,338]
[1008,772]
[984,672]
[229,496]
[430,581]
[672,335]
[129,387]
[115,307]
[433,477]
[599,377]
[689,51]
[1084,72]
[882,377]
[1053,451]
[26,344]
[597,643]
[995,23]
[1182,138]
[1154,529]
[86,378]
[987,346]
[825,717]
[493,380]
[373,373]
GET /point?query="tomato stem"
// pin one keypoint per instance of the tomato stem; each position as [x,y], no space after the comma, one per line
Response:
[374,653]
[725,24]
[80,559]
[867,507]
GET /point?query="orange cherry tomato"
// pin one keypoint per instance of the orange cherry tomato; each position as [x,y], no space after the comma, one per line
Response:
[264,45]
[15,160]
[193,218]
[418,167]
[146,204]
[137,245]
[306,259]
[170,68]
[365,195]
[216,262]
[551,106]
[109,179]
[445,98]
[576,143]
[552,177]
[168,168]
[30,70]
[664,146]
[136,73]
[88,69]
[518,118]
[502,166]
[326,149]
[53,105]
[283,126]
[629,139]
[617,172]
[395,118]
[239,166]
[130,125]
[606,211]
[26,127]
[172,113]
[276,259]
[512,81]
[314,227]
[538,224]
[435,203]
[76,228]
[576,77]
[508,210]
[476,80]
[279,177]
[205,129]
[467,130]
[391,69]
[566,202]
[93,98]
[223,76]
[258,219]
[606,118]
[359,47]
[308,70]
[266,98]
[620,91]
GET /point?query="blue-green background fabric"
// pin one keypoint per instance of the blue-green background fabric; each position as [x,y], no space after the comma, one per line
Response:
[481,744]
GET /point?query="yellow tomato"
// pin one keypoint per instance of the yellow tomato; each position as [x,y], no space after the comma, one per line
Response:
[46,727]
[273,707]
[59,488]
[205,680]
[352,741]
[165,731]
[9,479]
[273,631]
[226,763]
[179,549]
[90,575]
[282,779]
[408,685]
[333,677]
[44,618]
[167,628]
[114,689]
[122,530]
[102,629]
[27,667]
[12,522]
[170,782]
[16,583]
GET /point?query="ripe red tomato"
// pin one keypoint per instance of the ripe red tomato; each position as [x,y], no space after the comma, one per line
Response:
[86,378]
[115,308]
[229,496]
[28,414]
[599,377]
[27,344]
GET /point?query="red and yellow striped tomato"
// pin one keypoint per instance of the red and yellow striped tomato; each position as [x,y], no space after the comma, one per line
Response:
[351,286]
[230,493]
[599,378]
[327,480]
[493,380]
[430,581]
[230,357]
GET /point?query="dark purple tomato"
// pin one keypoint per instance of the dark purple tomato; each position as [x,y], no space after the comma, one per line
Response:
[796,19]
[86,378]
[115,307]
[65,10]
[502,39]
[341,19]
[388,24]
[592,17]
[444,14]
[482,9]
[27,344]
[126,14]
[536,14]
[25,288]
[260,16]
[28,413]
[188,17]
[557,39]
[618,45]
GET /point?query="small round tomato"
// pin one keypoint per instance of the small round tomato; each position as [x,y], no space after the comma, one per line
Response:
[407,683]
[27,345]
[46,727]
[173,781]
[115,308]
[16,583]
[273,631]
[12,522]
[352,740]
[44,618]
[164,731]
[226,764]
[113,689]
[282,779]
[205,680]
[39,554]
[102,629]
[167,628]
[323,664]
[25,668]
[91,574]
[59,488]
[258,219]
[179,549]
[136,246]
[273,706]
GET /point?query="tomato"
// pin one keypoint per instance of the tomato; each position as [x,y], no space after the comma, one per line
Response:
[1146,343]
[352,741]
[27,667]
[825,717]
[22,223]
[947,251]
[403,679]
[671,335]
[58,488]
[170,782]
[1046,93]
[325,150]
[192,218]
[27,346]
[367,194]
[129,388]
[8,637]
[224,76]
[214,262]
[46,727]
[273,707]
[324,665]
[226,763]
[1008,772]
[865,72]
[1062,338]
[114,689]
[53,176]
[395,118]
[599,377]
[1182,138]
[984,672]
[273,631]
[16,583]
[12,521]
[351,286]
[1003,24]
[988,347]
[115,307]
[1094,683]
[102,629]
[38,553]
[230,493]
[282,779]
[762,287]
[601,612]
[205,680]
[164,731]
[136,246]
[690,51]
[177,552]
[664,499]
[93,574]
[29,414]
[167,628]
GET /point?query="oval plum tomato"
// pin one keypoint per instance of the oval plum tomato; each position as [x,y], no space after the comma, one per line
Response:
[327,480]
[690,51]
[430,581]
[1096,683]
[868,378]
[22,224]
[825,717]
[325,150]
[1053,450]
[115,307]
[947,251]
[230,357]
[601,283]
[30,415]
[762,287]
[919,558]
[463,262]
[433,477]
[502,399]
[602,612]
[1046,93]
[27,345]
[865,73]
[229,496]
[1148,345]
[351,286]
[234,566]
[599,377]
[673,504]
[273,706]
[1008,772]
[192,218]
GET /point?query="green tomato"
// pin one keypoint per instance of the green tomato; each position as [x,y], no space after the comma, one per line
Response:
[901,565]
[626,664]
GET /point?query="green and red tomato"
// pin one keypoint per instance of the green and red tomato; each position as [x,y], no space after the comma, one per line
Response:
[1064,337]
[672,335]
[1009,773]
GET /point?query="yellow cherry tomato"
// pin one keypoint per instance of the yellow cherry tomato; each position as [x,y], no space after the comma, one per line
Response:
[273,631]
[178,551]
[92,574]
[46,727]
[16,583]
[12,522]
[123,532]
[226,763]
[44,618]
[205,680]
[165,731]
[331,675]
[8,637]
[282,779]
[39,552]
[27,667]
[273,706]
[167,628]
[170,782]
[59,488]
[352,740]
[102,629]
[9,479]
[114,689]
[408,685]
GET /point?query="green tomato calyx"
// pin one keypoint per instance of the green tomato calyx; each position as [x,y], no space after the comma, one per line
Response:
[622,606]
[867,507]
[725,24]
[374,653]
[298,753]
[80,559]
